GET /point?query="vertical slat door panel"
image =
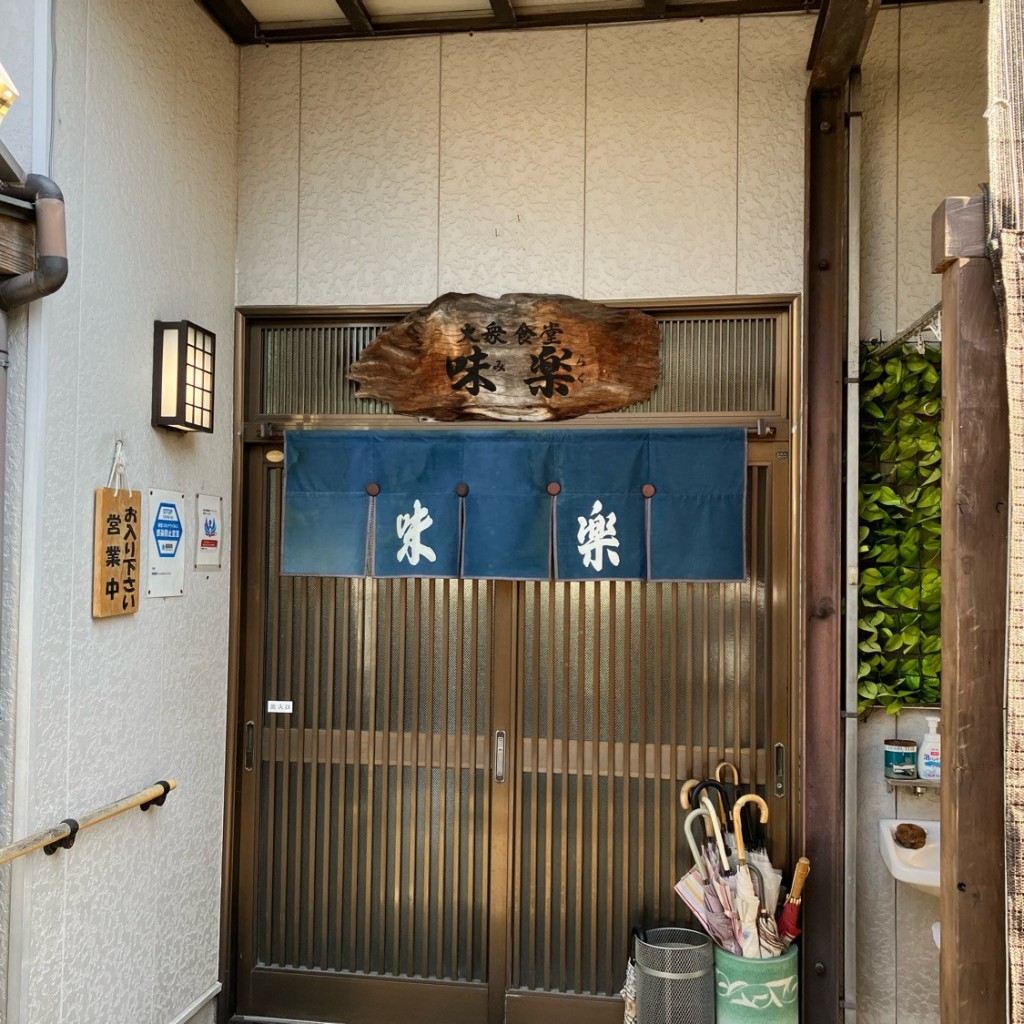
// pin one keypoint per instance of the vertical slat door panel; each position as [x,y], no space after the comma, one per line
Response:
[626,690]
[374,790]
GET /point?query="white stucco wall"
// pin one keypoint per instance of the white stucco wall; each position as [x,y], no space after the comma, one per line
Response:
[924,79]
[124,927]
[16,54]
[620,161]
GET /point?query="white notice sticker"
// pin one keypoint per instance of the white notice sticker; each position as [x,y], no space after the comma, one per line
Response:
[279,707]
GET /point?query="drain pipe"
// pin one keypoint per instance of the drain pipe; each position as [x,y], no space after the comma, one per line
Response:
[51,271]
[851,654]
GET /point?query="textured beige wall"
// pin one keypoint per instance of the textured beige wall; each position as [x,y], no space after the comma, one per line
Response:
[626,161]
[924,79]
[125,927]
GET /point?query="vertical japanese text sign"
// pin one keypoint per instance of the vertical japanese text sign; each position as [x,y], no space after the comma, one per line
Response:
[115,558]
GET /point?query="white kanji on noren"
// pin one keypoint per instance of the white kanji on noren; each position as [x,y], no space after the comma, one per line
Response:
[410,531]
[596,538]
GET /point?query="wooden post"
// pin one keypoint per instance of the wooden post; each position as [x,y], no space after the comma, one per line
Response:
[17,244]
[975,521]
[822,985]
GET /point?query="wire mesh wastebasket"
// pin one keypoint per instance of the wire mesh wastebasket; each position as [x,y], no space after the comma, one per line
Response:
[675,976]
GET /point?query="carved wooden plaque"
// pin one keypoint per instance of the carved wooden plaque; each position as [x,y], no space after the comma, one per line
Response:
[518,357]
[115,557]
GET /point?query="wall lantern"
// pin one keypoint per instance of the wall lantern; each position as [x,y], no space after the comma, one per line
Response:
[183,376]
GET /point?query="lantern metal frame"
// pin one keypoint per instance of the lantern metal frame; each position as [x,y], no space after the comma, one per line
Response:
[184,358]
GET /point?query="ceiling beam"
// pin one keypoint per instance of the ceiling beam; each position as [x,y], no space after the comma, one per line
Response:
[357,16]
[841,36]
[234,17]
[527,19]
[504,12]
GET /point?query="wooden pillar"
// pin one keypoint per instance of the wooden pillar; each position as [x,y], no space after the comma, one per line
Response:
[975,522]
[822,987]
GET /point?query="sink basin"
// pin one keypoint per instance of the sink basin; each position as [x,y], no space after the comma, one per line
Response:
[917,868]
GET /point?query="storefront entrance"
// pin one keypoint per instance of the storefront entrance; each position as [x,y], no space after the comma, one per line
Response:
[474,792]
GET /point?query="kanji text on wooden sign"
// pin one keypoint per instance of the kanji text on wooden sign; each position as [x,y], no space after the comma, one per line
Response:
[115,558]
[519,357]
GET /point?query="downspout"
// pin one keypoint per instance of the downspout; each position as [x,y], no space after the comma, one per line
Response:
[51,271]
[852,543]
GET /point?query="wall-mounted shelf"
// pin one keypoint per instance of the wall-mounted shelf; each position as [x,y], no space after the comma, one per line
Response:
[919,786]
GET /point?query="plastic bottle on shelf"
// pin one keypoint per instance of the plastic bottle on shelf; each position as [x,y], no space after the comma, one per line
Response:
[929,753]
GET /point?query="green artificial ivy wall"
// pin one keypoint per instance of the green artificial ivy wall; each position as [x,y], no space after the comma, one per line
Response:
[900,502]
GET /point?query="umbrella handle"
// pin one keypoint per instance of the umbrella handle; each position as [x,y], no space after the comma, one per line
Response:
[684,793]
[751,798]
[735,772]
[698,860]
[803,869]
[722,851]
[636,932]
[698,794]
[737,819]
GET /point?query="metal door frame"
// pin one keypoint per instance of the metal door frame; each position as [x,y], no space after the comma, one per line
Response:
[786,666]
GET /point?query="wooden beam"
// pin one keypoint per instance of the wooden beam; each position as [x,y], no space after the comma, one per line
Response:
[357,16]
[975,523]
[234,17]
[17,244]
[958,230]
[841,36]
[822,585]
[528,19]
[504,12]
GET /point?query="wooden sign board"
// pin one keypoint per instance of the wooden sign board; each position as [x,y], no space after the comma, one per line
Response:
[115,552]
[518,357]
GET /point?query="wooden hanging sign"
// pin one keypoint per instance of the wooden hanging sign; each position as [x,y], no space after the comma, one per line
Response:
[518,357]
[115,552]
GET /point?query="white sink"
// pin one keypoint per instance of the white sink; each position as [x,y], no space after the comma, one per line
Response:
[918,868]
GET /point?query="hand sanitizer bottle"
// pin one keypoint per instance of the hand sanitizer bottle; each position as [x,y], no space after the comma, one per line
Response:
[929,754]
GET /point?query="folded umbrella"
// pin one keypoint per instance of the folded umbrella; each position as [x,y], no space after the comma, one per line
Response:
[721,872]
[748,903]
[699,891]
[789,927]
[758,858]
[767,930]
[692,887]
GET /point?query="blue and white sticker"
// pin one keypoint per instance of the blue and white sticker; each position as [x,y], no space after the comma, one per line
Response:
[165,573]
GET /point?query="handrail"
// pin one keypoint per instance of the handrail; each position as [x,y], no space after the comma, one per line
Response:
[62,836]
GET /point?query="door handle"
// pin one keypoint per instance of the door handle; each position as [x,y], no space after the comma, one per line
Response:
[250,746]
[499,756]
[780,769]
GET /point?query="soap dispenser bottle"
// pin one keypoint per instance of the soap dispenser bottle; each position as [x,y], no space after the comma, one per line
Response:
[929,754]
